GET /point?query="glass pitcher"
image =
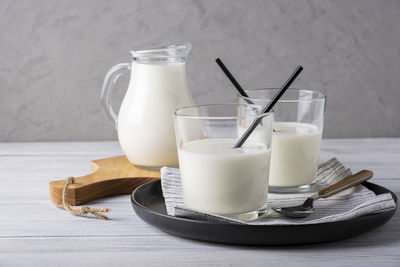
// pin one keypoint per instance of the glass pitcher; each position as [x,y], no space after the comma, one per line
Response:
[156,88]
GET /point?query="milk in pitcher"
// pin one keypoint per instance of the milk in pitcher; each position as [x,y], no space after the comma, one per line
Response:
[145,121]
[157,87]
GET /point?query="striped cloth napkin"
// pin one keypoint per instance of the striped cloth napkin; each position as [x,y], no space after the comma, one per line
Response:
[346,205]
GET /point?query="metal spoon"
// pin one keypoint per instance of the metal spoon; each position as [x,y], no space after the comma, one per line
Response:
[307,207]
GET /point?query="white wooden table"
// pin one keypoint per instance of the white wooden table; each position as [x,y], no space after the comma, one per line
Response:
[35,233]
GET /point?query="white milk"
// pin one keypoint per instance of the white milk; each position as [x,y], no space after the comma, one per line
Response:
[219,179]
[295,154]
[145,121]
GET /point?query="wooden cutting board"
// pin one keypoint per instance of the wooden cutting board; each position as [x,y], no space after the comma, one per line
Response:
[110,176]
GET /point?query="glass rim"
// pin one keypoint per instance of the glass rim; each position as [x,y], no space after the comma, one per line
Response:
[228,117]
[320,95]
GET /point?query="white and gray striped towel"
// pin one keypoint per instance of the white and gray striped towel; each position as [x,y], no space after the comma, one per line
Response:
[349,204]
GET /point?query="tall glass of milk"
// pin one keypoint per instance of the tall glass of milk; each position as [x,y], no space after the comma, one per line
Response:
[216,178]
[157,87]
[296,138]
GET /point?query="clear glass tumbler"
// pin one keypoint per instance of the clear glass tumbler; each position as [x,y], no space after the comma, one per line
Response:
[216,178]
[296,138]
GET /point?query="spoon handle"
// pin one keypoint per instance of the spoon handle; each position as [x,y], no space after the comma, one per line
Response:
[346,183]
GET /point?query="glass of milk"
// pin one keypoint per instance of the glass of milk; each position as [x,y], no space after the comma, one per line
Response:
[296,138]
[216,178]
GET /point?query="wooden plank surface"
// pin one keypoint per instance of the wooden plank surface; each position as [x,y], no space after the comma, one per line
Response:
[34,233]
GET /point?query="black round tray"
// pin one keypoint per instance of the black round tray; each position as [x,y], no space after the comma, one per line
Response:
[148,203]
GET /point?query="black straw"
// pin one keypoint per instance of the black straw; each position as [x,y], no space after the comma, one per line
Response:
[235,83]
[269,106]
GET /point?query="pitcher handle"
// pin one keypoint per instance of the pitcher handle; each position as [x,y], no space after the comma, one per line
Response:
[108,86]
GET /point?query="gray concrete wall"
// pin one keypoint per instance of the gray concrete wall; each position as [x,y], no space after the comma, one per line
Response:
[54,55]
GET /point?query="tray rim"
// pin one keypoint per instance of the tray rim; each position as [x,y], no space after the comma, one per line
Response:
[256,235]
[133,201]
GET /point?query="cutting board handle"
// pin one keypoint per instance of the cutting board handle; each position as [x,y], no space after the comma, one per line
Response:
[109,177]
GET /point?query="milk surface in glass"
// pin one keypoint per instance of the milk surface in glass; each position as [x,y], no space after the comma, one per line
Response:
[145,122]
[295,153]
[219,179]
